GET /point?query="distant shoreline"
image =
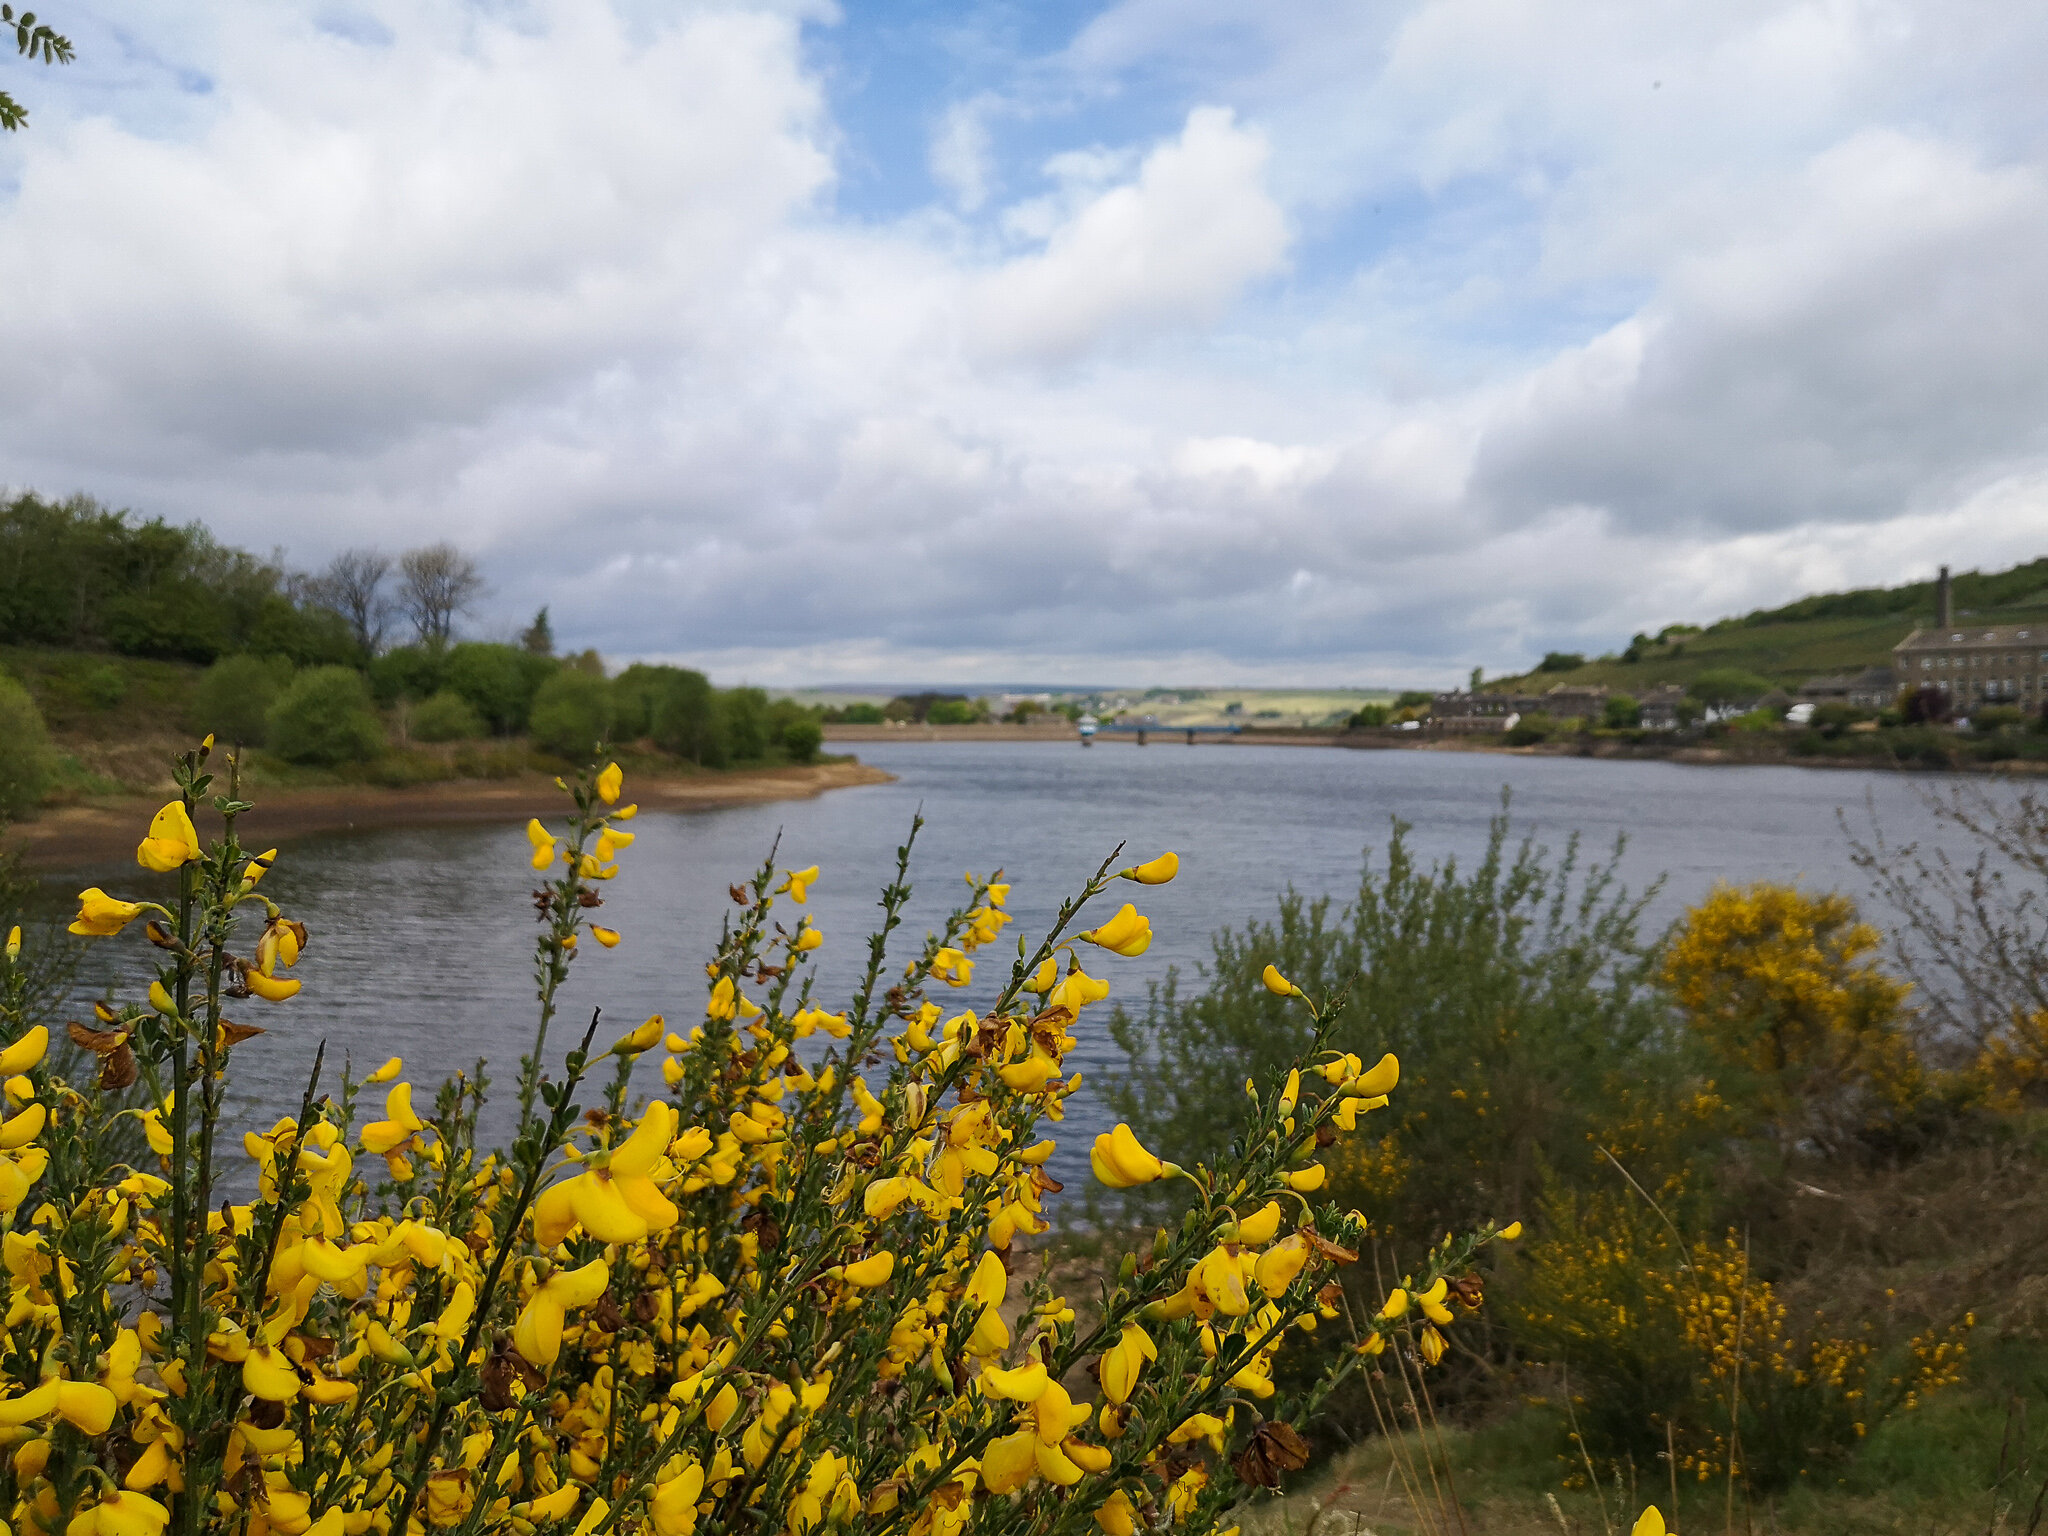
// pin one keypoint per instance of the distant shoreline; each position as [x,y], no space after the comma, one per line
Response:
[1765,753]
[108,828]
[848,735]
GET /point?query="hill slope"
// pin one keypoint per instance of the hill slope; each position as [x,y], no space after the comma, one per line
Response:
[1831,632]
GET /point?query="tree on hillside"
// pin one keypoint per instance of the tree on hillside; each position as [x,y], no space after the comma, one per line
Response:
[436,584]
[32,40]
[1719,687]
[539,636]
[353,586]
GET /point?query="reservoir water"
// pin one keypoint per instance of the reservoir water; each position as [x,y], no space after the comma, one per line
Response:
[421,938]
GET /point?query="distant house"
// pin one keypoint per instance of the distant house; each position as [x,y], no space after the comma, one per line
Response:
[1569,701]
[1824,690]
[2005,664]
[1660,707]
[1466,713]
[1872,688]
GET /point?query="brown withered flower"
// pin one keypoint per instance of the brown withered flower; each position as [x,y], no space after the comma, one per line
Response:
[119,1069]
[1275,1448]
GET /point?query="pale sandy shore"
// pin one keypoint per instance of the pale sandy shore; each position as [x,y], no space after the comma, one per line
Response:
[109,828]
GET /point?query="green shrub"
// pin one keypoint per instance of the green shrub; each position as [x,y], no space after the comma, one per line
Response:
[1990,719]
[234,696]
[499,681]
[572,713]
[1718,687]
[1369,716]
[1561,661]
[1509,987]
[685,719]
[801,740]
[104,686]
[743,722]
[408,672]
[796,730]
[325,718]
[27,761]
[1621,713]
[1832,719]
[636,692]
[446,716]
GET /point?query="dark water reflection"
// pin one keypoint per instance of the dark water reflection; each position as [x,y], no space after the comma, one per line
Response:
[421,938]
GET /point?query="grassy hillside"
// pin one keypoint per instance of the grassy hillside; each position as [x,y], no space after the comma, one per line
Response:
[1832,632]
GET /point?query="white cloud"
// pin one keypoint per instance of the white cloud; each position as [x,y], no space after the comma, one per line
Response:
[1170,248]
[962,158]
[1401,339]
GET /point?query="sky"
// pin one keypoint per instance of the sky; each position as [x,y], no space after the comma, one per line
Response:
[1208,341]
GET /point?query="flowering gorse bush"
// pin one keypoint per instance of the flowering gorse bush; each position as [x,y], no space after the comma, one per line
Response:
[792,1294]
[1689,1352]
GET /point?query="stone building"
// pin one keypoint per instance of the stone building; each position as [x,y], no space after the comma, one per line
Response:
[1660,706]
[1571,702]
[1872,688]
[1972,664]
[1466,713]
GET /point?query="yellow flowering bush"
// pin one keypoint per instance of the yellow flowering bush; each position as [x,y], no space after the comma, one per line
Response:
[1658,1338]
[1785,990]
[793,1292]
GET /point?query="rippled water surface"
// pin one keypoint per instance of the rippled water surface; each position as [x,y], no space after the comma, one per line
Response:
[421,938]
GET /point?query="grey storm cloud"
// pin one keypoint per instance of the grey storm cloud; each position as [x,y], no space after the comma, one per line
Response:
[577,292]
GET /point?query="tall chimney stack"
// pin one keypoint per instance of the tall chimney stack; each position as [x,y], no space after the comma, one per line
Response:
[1943,616]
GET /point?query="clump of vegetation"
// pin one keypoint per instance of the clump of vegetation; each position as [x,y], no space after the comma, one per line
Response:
[936,709]
[787,1292]
[444,716]
[1514,988]
[1720,687]
[859,713]
[1621,713]
[501,683]
[1687,1351]
[233,698]
[572,714]
[28,763]
[324,718]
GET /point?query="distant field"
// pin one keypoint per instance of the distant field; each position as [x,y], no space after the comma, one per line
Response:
[1260,706]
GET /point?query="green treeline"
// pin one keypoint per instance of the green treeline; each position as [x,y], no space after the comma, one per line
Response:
[77,576]
[112,613]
